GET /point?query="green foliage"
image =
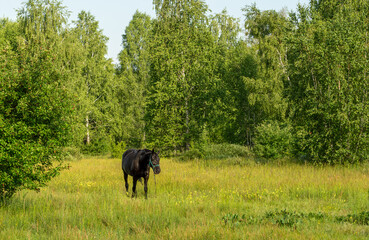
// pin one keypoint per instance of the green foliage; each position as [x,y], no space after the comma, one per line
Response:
[300,143]
[181,74]
[217,151]
[290,219]
[35,103]
[194,153]
[233,220]
[328,63]
[234,120]
[282,218]
[273,140]
[359,218]
[118,149]
[72,154]
[94,87]
[133,77]
[221,151]
[267,31]
[282,72]
[100,145]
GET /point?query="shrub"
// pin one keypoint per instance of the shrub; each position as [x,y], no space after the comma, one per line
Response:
[216,151]
[100,144]
[225,150]
[361,218]
[72,153]
[283,218]
[118,149]
[273,140]
[35,103]
[194,153]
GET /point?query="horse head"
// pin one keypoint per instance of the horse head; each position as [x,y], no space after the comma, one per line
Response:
[154,162]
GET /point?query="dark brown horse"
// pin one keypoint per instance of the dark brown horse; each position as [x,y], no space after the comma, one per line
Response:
[137,163]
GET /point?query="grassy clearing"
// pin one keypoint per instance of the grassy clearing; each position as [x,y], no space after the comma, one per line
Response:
[194,200]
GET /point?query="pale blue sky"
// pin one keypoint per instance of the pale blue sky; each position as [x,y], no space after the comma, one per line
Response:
[115,15]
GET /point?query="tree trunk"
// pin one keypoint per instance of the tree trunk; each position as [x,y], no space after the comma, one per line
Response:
[87,131]
[187,127]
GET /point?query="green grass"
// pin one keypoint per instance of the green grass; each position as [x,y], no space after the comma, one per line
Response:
[213,199]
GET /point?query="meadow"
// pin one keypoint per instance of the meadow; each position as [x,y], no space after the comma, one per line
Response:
[207,199]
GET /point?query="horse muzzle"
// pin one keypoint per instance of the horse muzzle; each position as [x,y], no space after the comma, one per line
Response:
[156,170]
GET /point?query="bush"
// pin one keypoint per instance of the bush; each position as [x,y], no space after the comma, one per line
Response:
[72,154]
[359,218]
[118,149]
[216,151]
[36,105]
[273,140]
[100,144]
[283,218]
[225,150]
[194,153]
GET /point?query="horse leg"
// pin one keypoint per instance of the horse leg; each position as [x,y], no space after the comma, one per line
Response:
[134,186]
[146,179]
[126,181]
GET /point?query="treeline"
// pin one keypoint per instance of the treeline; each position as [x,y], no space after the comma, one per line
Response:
[295,85]
[287,84]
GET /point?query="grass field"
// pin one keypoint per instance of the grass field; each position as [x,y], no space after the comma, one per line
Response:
[219,199]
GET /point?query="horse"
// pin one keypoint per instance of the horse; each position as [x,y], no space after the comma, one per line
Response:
[137,163]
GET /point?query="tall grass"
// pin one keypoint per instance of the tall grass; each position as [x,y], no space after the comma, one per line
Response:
[193,200]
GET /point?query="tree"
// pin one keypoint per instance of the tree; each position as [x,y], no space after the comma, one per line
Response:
[94,88]
[133,73]
[181,74]
[267,31]
[34,101]
[328,62]
[236,60]
[239,114]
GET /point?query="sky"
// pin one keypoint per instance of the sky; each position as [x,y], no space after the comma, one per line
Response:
[115,15]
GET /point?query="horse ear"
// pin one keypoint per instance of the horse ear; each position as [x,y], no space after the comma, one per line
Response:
[153,150]
[158,152]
